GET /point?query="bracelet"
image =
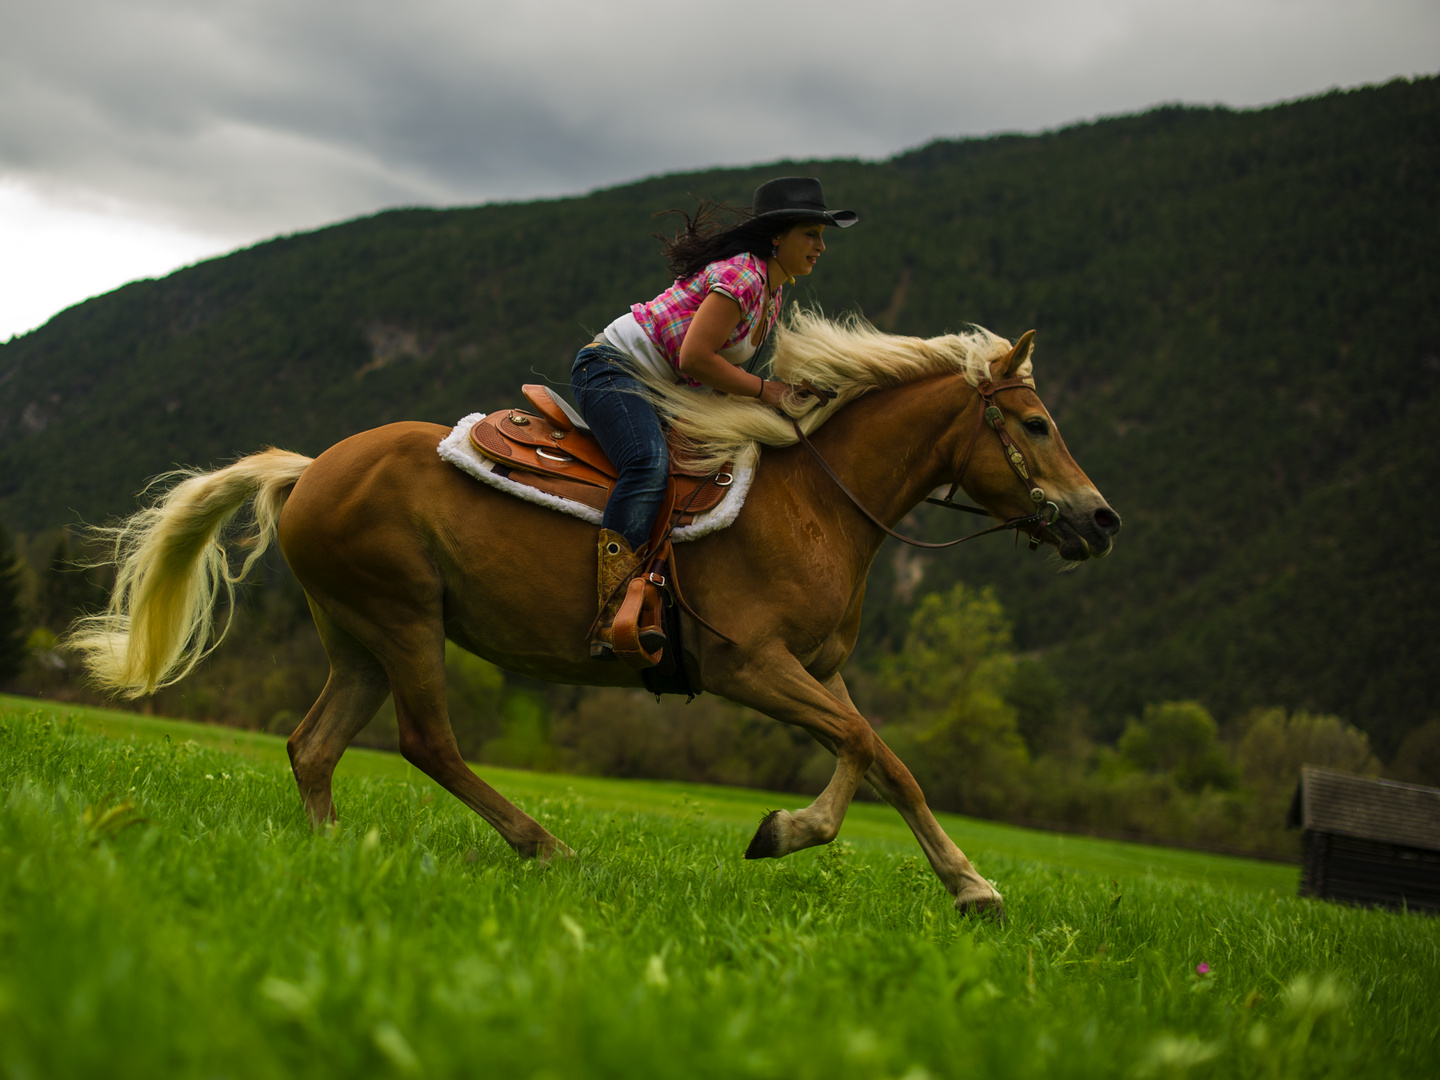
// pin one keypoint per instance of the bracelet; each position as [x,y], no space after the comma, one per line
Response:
[762,385]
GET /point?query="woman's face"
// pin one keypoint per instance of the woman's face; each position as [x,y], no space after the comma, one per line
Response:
[797,249]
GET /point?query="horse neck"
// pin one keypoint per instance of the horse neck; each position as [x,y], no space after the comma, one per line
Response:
[895,446]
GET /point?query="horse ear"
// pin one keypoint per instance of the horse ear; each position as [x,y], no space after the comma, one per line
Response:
[1018,355]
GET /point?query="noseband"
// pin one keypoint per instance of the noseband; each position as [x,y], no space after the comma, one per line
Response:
[1033,524]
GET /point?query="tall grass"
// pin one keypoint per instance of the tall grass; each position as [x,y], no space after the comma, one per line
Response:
[164,910]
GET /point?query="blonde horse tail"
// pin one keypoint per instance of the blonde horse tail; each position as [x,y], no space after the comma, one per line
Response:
[171,565]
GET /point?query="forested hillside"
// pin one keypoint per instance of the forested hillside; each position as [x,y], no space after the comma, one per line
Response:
[1238,320]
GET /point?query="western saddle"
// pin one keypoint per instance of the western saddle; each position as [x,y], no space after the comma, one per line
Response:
[551,450]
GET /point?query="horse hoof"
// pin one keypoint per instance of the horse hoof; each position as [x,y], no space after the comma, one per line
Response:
[544,850]
[990,908]
[561,852]
[766,842]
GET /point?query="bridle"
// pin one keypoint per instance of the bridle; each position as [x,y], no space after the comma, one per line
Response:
[1033,524]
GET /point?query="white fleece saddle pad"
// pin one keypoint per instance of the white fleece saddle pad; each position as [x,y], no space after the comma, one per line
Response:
[457,449]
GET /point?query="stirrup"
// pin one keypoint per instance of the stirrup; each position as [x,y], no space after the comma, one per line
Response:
[652,640]
[639,646]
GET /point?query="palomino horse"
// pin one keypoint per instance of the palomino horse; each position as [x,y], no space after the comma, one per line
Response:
[398,551]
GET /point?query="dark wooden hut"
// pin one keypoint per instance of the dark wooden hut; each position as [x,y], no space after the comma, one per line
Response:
[1368,841]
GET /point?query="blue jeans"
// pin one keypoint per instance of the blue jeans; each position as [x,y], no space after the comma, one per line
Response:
[627,429]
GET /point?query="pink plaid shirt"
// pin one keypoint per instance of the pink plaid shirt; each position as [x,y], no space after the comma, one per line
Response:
[666,318]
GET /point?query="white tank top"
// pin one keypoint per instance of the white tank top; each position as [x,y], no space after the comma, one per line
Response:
[627,335]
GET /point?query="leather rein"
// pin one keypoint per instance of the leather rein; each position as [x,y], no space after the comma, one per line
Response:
[1034,524]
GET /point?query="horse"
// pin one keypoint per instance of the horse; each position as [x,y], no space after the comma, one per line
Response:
[399,551]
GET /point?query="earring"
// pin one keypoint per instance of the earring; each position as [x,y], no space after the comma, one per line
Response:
[774,251]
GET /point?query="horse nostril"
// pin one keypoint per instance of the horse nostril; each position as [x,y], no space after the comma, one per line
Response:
[1107,521]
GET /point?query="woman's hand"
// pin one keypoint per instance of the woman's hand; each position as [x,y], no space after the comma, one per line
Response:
[774,392]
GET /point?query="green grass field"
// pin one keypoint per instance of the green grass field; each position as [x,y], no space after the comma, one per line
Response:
[165,911]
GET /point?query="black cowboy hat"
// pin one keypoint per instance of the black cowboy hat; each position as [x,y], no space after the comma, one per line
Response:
[797,198]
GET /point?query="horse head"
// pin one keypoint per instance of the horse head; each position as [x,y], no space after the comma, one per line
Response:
[1024,465]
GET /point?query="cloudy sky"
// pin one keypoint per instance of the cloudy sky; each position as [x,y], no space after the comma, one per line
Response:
[140,135]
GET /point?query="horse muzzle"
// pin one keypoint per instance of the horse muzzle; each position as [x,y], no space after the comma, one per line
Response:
[1084,534]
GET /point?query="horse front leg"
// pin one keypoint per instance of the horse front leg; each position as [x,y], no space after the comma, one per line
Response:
[894,783]
[776,684]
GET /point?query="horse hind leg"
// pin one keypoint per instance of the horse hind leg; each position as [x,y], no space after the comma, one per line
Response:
[417,678]
[355,690]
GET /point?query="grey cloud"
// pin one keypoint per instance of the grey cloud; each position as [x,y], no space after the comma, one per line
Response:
[257,117]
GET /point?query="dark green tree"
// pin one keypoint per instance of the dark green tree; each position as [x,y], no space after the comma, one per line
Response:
[954,723]
[1418,761]
[12,614]
[67,588]
[1178,737]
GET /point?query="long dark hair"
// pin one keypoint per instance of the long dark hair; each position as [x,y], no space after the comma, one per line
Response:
[706,238]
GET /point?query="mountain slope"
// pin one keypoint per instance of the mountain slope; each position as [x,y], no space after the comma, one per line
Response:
[1238,332]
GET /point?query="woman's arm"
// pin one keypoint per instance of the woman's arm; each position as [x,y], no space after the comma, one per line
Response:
[715,320]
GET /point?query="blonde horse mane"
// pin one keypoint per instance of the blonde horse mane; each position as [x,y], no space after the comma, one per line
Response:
[845,355]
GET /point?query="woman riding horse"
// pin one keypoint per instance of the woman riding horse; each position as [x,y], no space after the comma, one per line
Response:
[699,332]
[399,552]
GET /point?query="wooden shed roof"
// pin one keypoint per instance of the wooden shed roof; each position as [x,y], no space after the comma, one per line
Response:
[1367,808]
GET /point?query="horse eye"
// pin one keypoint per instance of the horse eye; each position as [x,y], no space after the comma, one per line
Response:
[1036,426]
